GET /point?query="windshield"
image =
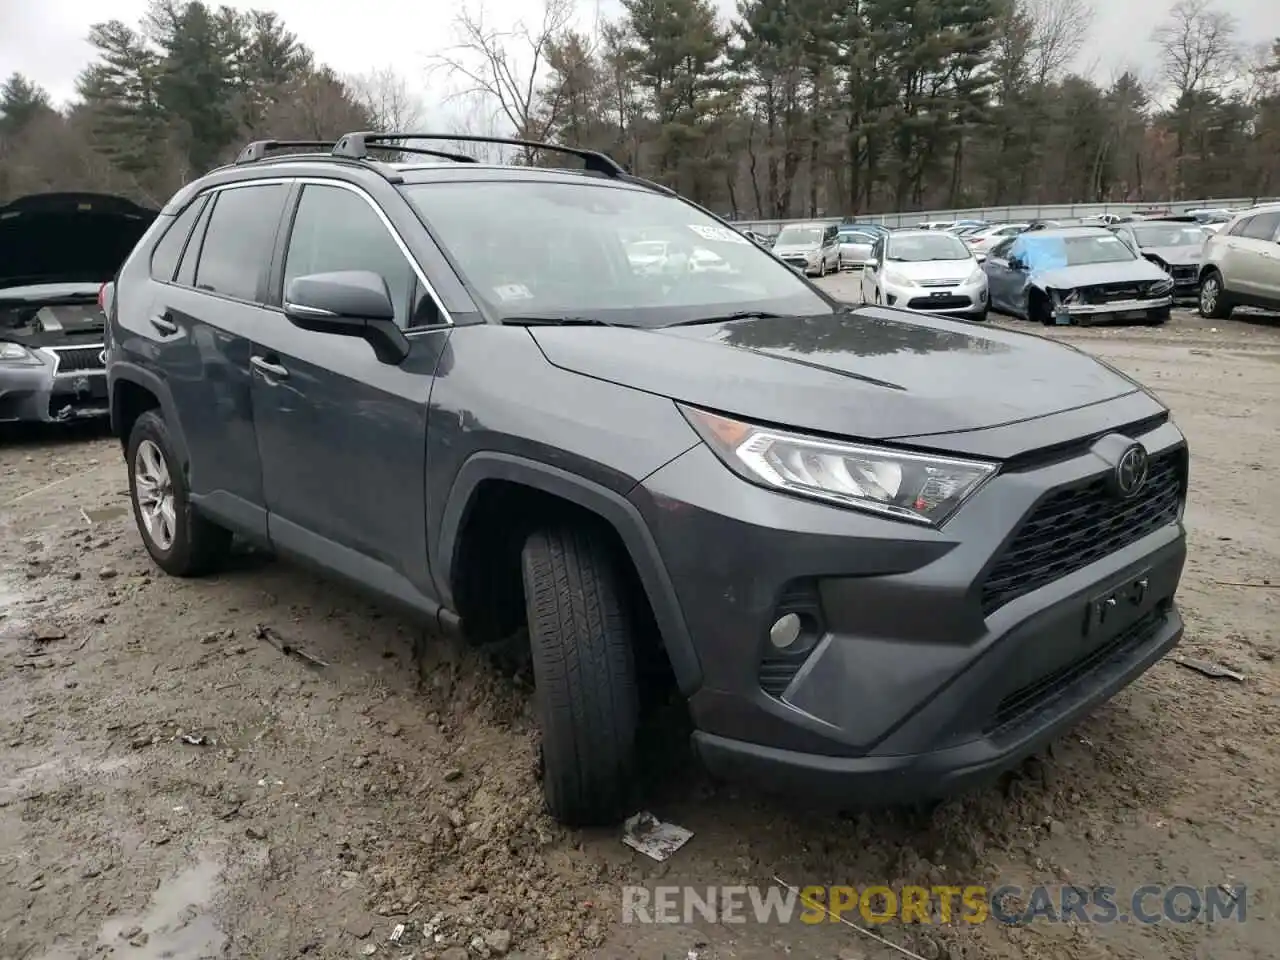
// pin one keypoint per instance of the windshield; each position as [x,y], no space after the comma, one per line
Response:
[920,247]
[800,236]
[1044,253]
[547,248]
[1169,235]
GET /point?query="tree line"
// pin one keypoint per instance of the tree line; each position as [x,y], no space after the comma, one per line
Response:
[791,108]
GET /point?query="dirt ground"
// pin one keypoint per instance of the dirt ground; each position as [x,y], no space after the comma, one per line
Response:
[174,786]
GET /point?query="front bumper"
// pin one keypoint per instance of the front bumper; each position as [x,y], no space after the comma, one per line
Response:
[1151,310]
[70,384]
[963,299]
[914,685]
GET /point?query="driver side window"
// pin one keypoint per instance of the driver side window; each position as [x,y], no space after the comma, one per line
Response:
[335,229]
[1001,250]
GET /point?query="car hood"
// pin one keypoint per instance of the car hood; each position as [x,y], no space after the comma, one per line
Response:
[67,237]
[1085,275]
[1181,255]
[869,373]
[933,269]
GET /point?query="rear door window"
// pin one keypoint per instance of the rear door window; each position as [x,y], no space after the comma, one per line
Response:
[164,258]
[1262,227]
[238,243]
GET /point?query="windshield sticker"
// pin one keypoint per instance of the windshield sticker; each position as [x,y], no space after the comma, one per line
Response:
[723,234]
[513,291]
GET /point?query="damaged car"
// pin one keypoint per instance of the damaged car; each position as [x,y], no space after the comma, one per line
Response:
[57,251]
[1080,275]
[1174,244]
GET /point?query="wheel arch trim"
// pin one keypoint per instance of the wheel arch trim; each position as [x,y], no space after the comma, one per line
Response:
[612,507]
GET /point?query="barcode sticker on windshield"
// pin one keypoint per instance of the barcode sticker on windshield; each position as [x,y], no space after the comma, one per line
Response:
[722,234]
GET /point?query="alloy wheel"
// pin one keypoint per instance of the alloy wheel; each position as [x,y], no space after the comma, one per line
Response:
[154,492]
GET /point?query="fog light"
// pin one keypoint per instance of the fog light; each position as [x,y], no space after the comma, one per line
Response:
[785,631]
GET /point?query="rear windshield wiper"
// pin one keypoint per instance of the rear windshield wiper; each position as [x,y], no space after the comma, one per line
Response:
[558,321]
[727,318]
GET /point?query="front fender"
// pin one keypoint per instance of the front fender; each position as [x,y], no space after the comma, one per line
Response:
[605,503]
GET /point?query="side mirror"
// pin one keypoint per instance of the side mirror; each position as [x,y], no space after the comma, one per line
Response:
[352,303]
[980,257]
[1015,263]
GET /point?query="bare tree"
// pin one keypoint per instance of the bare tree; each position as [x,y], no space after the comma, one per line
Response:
[386,97]
[505,66]
[1059,29]
[1197,47]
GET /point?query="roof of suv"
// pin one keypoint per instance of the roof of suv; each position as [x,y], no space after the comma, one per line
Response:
[349,158]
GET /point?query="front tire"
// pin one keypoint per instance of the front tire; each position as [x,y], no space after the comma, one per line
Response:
[585,676]
[181,541]
[1214,304]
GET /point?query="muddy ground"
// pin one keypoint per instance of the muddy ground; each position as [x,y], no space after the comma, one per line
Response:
[173,786]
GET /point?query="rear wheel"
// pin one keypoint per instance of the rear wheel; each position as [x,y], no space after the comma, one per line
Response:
[1214,302]
[585,675]
[181,541]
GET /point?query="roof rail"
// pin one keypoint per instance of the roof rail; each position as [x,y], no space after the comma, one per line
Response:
[260,148]
[357,145]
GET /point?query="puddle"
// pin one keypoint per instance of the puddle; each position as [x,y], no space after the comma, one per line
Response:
[178,922]
[103,514]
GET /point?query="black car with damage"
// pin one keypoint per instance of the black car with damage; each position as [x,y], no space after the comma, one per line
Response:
[56,252]
[1174,244]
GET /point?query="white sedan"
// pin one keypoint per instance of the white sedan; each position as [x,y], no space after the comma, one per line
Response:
[928,271]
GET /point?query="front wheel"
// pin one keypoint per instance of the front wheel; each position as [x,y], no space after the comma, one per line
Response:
[1214,304]
[584,673]
[181,541]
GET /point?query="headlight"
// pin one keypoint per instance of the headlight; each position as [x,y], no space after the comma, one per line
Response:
[17,355]
[1160,288]
[901,280]
[977,276]
[907,486]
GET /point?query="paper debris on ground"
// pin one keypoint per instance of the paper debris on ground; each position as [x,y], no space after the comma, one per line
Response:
[647,834]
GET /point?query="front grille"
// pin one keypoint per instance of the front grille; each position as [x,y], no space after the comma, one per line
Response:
[938,303]
[79,359]
[1079,525]
[939,283]
[1040,692]
[1111,292]
[796,261]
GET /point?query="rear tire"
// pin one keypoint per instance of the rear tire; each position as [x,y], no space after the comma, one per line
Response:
[1214,303]
[585,675]
[187,544]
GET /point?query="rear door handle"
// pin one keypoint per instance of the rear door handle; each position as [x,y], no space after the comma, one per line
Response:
[162,323]
[272,371]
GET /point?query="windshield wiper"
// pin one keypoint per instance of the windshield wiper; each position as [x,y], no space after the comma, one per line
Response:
[558,321]
[727,318]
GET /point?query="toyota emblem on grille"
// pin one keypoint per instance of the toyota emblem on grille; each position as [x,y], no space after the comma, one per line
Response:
[1131,470]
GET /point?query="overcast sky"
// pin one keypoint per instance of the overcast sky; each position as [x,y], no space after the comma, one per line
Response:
[44,39]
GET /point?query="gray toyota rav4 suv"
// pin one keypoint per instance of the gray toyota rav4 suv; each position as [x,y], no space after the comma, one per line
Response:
[882,555]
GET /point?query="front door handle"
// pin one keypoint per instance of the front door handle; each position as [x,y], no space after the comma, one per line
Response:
[272,371]
[162,323]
